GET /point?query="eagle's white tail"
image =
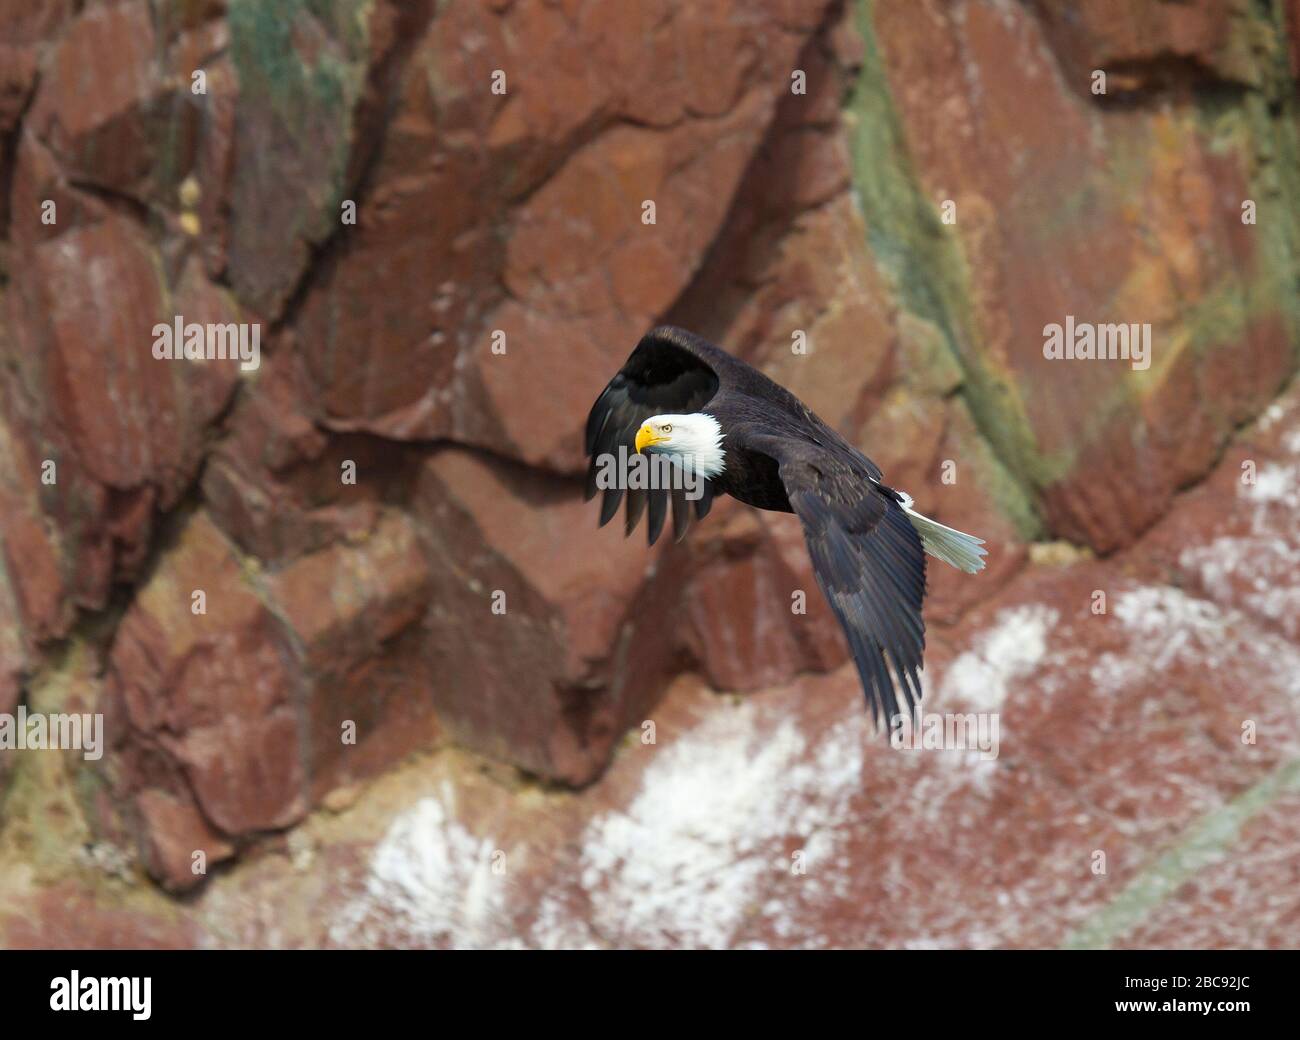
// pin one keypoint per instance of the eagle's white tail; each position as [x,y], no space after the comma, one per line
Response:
[963,551]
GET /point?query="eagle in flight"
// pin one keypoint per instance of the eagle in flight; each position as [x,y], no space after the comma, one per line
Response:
[736,432]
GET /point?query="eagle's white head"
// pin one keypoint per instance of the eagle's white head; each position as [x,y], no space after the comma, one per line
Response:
[693,441]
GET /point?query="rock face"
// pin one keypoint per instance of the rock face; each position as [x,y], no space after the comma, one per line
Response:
[353,630]
[238,698]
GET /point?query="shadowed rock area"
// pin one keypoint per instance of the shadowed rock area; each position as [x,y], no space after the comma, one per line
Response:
[369,671]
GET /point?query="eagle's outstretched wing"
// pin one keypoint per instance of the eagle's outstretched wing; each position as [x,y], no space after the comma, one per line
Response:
[868,559]
[670,371]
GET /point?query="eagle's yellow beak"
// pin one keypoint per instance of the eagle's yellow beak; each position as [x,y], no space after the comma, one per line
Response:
[645,437]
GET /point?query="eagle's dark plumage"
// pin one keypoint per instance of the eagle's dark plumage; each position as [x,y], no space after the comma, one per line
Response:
[865,542]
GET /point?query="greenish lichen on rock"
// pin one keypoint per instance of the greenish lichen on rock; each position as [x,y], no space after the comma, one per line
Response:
[926,265]
[301,66]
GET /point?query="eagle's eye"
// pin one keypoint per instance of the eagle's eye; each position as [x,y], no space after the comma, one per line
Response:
[668,427]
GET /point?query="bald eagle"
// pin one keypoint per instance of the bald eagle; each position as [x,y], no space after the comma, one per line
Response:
[736,432]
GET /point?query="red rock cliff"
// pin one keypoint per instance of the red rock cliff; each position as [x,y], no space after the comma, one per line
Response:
[277,582]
